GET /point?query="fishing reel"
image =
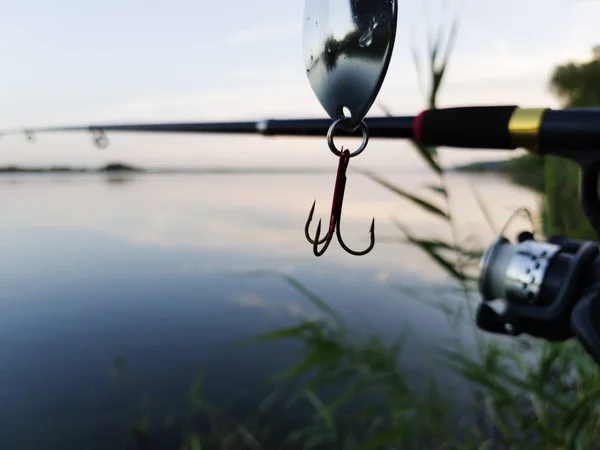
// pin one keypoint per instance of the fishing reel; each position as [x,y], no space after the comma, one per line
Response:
[551,290]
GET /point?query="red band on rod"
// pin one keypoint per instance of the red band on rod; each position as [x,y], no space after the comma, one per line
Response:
[416,127]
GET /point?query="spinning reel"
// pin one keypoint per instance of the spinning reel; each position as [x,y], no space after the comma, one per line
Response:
[551,290]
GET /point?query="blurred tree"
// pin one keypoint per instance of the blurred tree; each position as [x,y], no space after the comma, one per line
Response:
[576,85]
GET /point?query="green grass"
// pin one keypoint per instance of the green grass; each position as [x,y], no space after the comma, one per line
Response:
[549,402]
[546,401]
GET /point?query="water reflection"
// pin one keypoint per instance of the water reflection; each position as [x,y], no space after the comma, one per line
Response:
[119,179]
[158,272]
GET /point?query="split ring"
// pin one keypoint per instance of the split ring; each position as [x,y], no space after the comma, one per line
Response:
[363,144]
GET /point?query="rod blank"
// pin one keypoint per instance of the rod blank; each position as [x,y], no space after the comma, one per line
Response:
[490,127]
[379,127]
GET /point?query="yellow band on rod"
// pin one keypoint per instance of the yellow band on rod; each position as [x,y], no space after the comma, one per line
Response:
[524,127]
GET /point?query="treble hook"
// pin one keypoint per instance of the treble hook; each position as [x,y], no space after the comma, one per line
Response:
[336,215]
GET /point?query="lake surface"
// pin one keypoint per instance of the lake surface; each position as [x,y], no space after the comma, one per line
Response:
[156,272]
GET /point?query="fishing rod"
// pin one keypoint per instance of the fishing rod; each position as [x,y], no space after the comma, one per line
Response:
[538,130]
[381,127]
[483,127]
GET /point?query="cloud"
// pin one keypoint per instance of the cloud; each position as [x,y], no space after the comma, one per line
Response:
[503,73]
[265,33]
[235,102]
[273,73]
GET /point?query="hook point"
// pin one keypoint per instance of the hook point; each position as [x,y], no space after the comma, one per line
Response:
[311,213]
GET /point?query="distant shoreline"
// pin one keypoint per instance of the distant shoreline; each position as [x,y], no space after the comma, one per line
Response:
[525,170]
[114,167]
[125,168]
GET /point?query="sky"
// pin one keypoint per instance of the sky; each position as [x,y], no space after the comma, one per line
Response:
[69,62]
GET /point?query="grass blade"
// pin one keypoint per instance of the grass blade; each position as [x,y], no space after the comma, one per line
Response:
[484,209]
[438,189]
[195,443]
[322,411]
[427,153]
[313,298]
[302,290]
[285,333]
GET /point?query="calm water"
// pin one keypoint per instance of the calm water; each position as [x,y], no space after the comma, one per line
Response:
[154,269]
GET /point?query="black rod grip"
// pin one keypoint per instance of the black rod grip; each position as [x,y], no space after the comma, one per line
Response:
[485,127]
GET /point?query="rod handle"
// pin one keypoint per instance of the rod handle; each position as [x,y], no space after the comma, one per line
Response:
[484,127]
